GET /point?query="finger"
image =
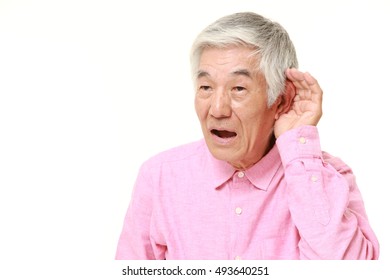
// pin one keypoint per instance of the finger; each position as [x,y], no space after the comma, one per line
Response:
[298,78]
[314,86]
[305,80]
[295,75]
[305,84]
[307,93]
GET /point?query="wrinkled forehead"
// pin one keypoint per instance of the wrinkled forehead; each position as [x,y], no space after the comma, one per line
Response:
[232,60]
[252,52]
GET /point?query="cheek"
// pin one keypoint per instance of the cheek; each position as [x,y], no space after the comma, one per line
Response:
[256,123]
[201,109]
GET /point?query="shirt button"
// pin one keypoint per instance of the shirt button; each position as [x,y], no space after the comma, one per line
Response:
[302,140]
[314,178]
[240,174]
[238,211]
[237,258]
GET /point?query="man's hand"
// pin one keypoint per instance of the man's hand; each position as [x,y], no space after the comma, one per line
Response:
[306,106]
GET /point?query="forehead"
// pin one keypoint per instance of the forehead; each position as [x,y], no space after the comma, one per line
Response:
[228,60]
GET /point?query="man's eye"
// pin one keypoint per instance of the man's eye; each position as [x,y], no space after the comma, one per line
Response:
[239,89]
[205,88]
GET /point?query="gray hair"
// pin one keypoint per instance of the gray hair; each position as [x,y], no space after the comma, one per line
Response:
[270,41]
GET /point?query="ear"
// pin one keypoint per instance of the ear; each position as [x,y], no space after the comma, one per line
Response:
[285,101]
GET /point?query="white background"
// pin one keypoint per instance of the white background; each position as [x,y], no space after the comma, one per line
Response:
[91,89]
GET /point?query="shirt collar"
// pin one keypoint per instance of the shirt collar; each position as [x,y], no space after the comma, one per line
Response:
[218,171]
[260,174]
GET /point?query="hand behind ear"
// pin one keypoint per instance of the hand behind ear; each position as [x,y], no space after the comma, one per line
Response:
[302,103]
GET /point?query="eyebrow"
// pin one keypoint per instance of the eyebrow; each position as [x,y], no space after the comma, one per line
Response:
[239,72]
[202,74]
[242,72]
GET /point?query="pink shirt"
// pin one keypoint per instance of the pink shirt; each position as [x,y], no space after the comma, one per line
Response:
[295,203]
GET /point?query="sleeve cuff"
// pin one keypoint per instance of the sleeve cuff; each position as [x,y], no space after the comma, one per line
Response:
[299,143]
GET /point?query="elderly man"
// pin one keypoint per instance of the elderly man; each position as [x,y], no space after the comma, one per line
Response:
[258,186]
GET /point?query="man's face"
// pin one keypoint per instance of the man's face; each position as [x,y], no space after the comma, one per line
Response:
[231,104]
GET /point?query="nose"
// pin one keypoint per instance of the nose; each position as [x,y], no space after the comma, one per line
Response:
[220,105]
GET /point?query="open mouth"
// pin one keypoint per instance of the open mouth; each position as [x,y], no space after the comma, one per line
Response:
[224,133]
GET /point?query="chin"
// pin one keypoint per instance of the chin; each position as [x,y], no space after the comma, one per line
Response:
[222,152]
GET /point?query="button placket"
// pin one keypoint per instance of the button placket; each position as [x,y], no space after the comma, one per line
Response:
[239,190]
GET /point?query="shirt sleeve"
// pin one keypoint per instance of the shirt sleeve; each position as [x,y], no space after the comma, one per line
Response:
[324,200]
[135,242]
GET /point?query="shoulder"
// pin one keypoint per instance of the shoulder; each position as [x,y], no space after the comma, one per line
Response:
[182,153]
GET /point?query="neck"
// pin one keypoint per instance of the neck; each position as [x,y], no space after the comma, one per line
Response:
[244,165]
